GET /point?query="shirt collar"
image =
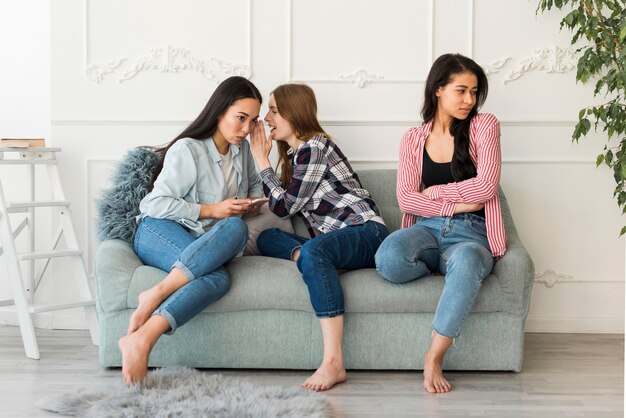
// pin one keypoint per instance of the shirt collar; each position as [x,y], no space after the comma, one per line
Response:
[215,154]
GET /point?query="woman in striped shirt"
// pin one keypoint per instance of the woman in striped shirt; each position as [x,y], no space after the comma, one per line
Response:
[447,189]
[318,184]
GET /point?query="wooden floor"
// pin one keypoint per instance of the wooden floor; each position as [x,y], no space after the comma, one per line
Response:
[564,375]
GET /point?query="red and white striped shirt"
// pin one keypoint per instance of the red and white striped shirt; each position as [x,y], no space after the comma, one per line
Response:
[484,151]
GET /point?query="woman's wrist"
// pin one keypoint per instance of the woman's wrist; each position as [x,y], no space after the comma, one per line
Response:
[264,163]
[206,210]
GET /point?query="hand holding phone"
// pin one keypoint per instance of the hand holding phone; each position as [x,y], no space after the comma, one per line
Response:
[256,203]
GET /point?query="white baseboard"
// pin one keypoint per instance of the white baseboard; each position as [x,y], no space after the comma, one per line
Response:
[583,325]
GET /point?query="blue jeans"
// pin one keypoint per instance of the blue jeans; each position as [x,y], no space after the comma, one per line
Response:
[457,247]
[166,244]
[350,248]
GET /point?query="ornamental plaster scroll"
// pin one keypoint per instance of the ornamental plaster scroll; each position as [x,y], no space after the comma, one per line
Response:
[552,59]
[361,78]
[495,66]
[166,59]
[97,72]
[550,277]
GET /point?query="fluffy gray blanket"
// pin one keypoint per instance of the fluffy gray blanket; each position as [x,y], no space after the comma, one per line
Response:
[182,392]
[119,205]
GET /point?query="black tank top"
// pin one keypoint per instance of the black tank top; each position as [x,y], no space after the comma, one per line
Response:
[434,173]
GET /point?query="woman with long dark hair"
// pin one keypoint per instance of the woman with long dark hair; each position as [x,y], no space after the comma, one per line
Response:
[447,189]
[190,223]
[318,184]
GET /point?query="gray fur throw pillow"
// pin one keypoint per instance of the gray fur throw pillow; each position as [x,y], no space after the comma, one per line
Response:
[119,205]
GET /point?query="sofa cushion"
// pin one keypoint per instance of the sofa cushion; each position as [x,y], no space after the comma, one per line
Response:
[266,219]
[382,187]
[268,283]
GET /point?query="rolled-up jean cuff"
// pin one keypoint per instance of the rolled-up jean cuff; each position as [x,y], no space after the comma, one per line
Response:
[330,314]
[293,251]
[453,338]
[180,266]
[169,318]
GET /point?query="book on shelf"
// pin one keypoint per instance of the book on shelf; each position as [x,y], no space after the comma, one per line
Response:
[22,142]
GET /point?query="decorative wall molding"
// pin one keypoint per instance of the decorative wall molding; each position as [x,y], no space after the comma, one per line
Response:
[323,121]
[550,277]
[97,72]
[165,59]
[168,59]
[551,59]
[361,78]
[495,66]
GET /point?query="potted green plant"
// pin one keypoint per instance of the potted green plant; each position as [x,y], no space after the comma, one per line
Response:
[602,23]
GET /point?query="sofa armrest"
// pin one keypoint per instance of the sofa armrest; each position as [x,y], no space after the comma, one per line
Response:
[115,264]
[515,272]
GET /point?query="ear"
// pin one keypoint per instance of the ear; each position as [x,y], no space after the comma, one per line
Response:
[438,92]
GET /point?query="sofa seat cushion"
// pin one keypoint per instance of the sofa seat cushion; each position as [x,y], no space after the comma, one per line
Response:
[260,283]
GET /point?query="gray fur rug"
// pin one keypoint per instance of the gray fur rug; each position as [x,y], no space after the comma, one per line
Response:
[182,392]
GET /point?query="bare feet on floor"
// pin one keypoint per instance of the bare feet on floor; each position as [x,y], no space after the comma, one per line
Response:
[434,382]
[328,375]
[135,353]
[149,300]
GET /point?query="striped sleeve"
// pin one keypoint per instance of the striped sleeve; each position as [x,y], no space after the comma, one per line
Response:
[410,200]
[485,134]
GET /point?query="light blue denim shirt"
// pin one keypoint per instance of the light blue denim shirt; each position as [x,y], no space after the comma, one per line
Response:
[191,175]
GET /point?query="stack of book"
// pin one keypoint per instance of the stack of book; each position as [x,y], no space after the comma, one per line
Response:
[22,142]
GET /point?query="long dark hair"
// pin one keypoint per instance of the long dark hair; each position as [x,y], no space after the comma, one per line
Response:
[225,95]
[441,73]
[297,105]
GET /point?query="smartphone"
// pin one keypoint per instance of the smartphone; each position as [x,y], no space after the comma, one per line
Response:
[255,203]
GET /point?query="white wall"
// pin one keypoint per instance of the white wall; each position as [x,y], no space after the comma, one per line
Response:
[25,108]
[132,73]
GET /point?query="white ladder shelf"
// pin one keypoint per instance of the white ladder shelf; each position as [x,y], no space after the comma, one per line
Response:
[25,285]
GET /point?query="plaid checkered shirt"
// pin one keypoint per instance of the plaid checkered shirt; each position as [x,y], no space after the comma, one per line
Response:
[324,189]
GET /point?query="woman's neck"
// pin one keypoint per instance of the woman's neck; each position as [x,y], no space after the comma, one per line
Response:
[441,123]
[293,142]
[220,143]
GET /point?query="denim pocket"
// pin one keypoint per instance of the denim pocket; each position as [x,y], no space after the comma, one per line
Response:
[137,236]
[477,224]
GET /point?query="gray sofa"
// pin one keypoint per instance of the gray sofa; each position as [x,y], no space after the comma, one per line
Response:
[266,321]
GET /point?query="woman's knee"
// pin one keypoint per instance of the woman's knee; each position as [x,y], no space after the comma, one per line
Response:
[312,257]
[237,226]
[471,257]
[237,230]
[397,260]
[266,238]
[220,280]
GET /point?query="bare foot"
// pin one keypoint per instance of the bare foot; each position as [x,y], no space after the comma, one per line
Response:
[328,375]
[135,353]
[149,300]
[434,382]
